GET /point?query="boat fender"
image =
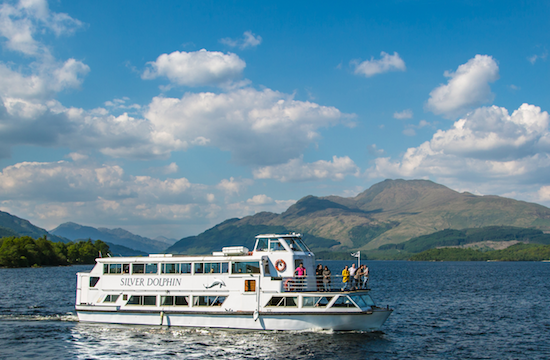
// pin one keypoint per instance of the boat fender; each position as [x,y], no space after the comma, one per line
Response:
[280,265]
[161,317]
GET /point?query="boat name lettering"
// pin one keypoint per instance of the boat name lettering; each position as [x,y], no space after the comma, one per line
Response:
[149,282]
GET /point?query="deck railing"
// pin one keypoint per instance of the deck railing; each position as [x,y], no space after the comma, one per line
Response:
[311,283]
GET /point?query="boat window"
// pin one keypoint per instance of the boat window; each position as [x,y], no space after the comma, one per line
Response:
[294,245]
[166,300]
[138,268]
[288,301]
[343,301]
[125,268]
[170,268]
[316,301]
[113,268]
[249,267]
[199,268]
[93,281]
[185,268]
[134,300]
[182,301]
[302,244]
[250,285]
[275,245]
[208,300]
[111,298]
[151,268]
[261,245]
[216,268]
[146,300]
[368,300]
[358,300]
[174,300]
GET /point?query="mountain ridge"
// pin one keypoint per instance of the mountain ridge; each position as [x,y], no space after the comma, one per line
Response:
[389,212]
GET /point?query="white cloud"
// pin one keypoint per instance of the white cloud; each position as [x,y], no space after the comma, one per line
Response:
[385,64]
[405,114]
[374,150]
[196,68]
[260,200]
[409,132]
[249,39]
[296,170]
[232,186]
[77,156]
[19,24]
[488,146]
[533,59]
[257,127]
[467,88]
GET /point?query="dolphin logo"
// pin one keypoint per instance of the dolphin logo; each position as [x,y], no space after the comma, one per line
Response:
[215,283]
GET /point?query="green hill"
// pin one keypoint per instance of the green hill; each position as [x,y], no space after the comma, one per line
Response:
[11,225]
[390,212]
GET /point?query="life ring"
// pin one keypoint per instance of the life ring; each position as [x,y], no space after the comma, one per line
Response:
[280,265]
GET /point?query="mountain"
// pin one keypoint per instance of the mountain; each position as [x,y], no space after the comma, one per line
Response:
[11,225]
[390,212]
[117,236]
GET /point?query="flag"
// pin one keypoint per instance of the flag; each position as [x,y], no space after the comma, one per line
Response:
[356,254]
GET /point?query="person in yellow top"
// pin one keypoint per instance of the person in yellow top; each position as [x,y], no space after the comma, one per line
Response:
[345,278]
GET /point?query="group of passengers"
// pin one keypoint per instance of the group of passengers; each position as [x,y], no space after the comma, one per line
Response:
[355,278]
[352,278]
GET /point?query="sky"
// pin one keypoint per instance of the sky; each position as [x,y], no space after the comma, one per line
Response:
[166,118]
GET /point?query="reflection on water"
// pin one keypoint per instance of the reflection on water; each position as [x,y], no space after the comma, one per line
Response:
[442,310]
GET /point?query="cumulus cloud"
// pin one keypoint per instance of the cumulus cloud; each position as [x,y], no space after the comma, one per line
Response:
[249,39]
[196,68]
[19,23]
[486,146]
[405,114]
[385,64]
[232,187]
[260,200]
[467,88]
[296,170]
[257,127]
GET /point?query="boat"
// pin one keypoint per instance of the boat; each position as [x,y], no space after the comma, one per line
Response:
[233,288]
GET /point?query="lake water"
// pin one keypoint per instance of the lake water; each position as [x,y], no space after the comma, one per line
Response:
[462,310]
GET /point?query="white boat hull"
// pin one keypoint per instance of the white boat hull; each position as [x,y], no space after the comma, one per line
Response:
[371,321]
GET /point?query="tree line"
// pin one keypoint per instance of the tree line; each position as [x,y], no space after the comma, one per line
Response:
[518,252]
[25,251]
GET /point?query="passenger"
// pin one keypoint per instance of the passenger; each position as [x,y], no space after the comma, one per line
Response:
[319,277]
[352,271]
[300,275]
[326,278]
[365,277]
[357,277]
[345,278]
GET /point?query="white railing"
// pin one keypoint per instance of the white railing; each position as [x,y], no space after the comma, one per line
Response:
[335,283]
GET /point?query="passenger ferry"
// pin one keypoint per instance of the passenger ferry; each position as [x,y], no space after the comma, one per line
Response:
[234,288]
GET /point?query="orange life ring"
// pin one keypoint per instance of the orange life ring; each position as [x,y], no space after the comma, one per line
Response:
[280,265]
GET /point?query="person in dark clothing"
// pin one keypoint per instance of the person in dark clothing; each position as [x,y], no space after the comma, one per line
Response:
[319,277]
[326,278]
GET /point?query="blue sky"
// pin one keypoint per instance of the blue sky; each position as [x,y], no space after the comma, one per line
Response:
[166,118]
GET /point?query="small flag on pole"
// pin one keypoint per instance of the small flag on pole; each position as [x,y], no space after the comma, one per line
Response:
[356,254]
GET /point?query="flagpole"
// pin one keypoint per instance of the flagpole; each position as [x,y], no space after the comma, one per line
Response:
[359,259]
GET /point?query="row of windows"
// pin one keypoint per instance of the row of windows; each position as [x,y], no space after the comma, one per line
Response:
[321,301]
[151,300]
[249,267]
[295,244]
[275,301]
